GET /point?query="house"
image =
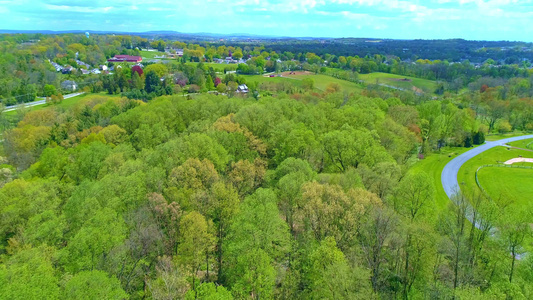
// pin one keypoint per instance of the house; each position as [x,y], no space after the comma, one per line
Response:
[56,66]
[125,58]
[85,72]
[242,88]
[82,64]
[95,71]
[69,85]
[67,70]
[103,67]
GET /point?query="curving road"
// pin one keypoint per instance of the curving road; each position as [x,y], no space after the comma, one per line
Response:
[449,173]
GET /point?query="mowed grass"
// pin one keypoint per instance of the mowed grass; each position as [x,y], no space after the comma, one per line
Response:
[412,83]
[499,136]
[322,82]
[524,144]
[151,54]
[433,165]
[65,104]
[507,184]
[217,67]
[467,174]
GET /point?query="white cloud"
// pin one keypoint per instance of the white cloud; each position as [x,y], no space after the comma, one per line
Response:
[80,9]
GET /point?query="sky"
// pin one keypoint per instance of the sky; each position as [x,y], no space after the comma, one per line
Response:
[398,19]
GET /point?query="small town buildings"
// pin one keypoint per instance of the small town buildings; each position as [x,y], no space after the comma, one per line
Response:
[82,64]
[125,58]
[56,66]
[67,70]
[103,67]
[69,85]
[242,88]
[95,71]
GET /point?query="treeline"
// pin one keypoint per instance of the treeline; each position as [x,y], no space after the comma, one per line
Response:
[298,196]
[454,50]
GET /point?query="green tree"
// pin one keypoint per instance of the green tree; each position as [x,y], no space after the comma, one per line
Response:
[29,274]
[93,285]
[152,82]
[49,90]
[195,244]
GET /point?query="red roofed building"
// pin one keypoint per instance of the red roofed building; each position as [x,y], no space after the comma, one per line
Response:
[125,58]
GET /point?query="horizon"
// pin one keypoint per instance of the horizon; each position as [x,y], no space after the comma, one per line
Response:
[476,20]
[236,35]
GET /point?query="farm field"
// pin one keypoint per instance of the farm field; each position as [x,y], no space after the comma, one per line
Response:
[466,176]
[399,81]
[507,184]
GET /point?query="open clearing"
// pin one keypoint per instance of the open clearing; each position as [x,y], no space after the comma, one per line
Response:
[321,81]
[399,81]
[507,184]
[498,155]
[524,144]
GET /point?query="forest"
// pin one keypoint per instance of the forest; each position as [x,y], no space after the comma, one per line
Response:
[184,188]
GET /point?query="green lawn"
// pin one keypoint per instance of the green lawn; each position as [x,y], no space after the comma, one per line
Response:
[412,83]
[151,54]
[499,136]
[433,165]
[524,144]
[322,81]
[467,173]
[216,67]
[511,184]
[67,103]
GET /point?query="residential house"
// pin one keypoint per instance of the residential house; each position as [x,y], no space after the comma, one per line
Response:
[82,64]
[67,70]
[103,67]
[56,66]
[95,71]
[125,58]
[69,85]
[242,88]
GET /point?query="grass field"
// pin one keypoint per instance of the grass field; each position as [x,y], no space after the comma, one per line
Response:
[67,103]
[215,66]
[499,136]
[321,81]
[525,144]
[412,83]
[466,176]
[433,165]
[511,184]
[151,54]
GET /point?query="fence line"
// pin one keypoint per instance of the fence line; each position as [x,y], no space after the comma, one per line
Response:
[498,166]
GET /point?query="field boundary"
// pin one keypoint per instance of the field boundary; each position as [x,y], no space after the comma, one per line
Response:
[496,166]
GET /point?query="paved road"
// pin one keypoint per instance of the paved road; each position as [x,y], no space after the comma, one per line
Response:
[449,173]
[39,102]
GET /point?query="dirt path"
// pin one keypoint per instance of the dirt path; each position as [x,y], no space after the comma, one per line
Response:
[517,160]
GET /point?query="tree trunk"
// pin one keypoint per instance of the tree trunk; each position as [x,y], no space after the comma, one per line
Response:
[512,264]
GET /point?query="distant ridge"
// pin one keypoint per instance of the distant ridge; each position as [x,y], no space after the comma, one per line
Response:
[239,36]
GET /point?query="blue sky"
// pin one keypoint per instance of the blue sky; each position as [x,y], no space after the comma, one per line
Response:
[400,19]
